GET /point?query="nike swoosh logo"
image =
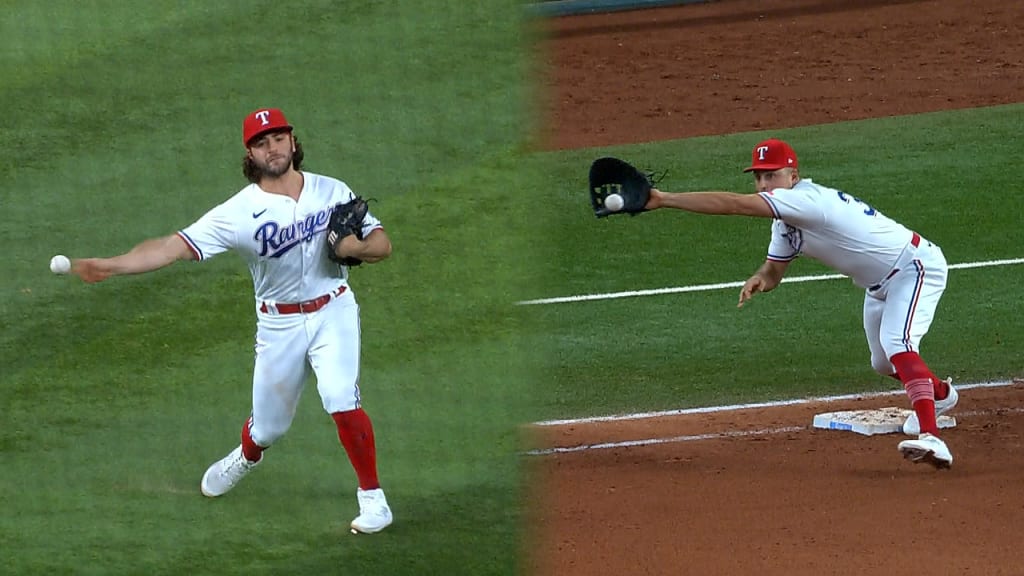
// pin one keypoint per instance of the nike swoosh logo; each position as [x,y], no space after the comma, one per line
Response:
[258,214]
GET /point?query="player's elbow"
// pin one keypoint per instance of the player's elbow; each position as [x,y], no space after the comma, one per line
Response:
[383,244]
[379,246]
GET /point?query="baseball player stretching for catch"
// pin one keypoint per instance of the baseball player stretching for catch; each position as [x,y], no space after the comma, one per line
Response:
[307,316]
[903,274]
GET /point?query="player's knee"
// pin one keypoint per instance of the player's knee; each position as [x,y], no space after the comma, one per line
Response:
[882,366]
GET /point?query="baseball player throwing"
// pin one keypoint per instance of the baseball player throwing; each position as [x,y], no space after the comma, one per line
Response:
[307,316]
[903,273]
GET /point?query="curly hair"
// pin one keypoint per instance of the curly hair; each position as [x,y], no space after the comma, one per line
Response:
[253,173]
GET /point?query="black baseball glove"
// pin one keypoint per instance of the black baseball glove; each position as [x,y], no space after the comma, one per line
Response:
[610,176]
[346,220]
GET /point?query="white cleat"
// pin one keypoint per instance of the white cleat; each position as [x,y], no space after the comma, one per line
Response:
[912,426]
[927,449]
[223,474]
[374,513]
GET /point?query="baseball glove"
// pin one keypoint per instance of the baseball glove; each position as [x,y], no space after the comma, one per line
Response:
[610,176]
[346,220]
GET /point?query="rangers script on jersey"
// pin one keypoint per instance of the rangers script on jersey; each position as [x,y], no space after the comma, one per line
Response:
[279,238]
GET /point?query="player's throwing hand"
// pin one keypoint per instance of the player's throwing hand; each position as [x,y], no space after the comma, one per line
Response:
[753,285]
[90,270]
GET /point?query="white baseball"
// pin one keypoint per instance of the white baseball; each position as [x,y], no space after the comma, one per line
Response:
[614,202]
[60,264]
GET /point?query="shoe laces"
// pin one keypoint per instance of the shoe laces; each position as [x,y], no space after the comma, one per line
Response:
[237,467]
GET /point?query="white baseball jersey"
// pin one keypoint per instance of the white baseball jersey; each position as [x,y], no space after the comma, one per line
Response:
[835,228]
[904,274]
[282,240]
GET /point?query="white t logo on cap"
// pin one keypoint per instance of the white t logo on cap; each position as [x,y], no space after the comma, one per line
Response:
[761,151]
[264,116]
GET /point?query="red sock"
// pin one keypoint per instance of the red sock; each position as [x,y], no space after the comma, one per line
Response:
[356,434]
[940,386]
[924,408]
[250,449]
[919,383]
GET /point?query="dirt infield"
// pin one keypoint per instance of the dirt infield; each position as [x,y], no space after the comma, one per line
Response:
[741,65]
[760,491]
[767,494]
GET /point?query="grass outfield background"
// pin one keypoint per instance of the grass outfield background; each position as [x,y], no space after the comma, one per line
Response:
[951,176]
[123,123]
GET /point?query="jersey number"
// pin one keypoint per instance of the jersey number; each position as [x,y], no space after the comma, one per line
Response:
[847,198]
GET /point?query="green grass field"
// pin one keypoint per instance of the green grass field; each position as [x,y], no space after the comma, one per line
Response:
[123,122]
[951,176]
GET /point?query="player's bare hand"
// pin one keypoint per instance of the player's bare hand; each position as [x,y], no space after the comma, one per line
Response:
[90,269]
[753,285]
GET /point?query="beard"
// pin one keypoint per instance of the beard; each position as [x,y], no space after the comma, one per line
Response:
[274,168]
[254,173]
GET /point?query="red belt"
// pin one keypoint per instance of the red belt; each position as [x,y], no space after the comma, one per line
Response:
[915,241]
[304,307]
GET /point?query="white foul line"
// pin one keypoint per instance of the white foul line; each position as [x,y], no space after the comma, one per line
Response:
[727,434]
[774,404]
[713,436]
[652,441]
[720,286]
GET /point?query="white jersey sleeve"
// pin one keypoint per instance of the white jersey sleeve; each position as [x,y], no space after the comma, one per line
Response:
[215,232]
[785,243]
[838,229]
[801,209]
[800,206]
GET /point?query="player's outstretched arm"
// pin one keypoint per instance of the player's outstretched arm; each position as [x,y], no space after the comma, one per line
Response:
[150,255]
[374,248]
[767,277]
[721,203]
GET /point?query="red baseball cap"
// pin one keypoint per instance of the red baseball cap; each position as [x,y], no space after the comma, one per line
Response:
[772,154]
[262,121]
